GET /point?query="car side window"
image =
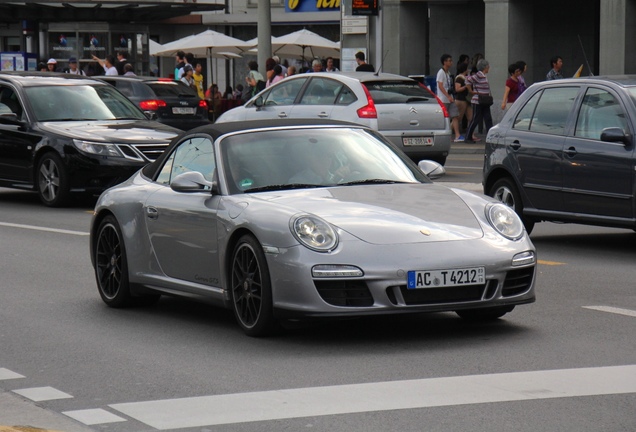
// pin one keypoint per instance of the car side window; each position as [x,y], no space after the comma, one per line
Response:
[321,91]
[125,87]
[599,110]
[284,93]
[10,102]
[346,96]
[195,154]
[553,109]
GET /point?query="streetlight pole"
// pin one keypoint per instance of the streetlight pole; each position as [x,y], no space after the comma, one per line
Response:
[264,33]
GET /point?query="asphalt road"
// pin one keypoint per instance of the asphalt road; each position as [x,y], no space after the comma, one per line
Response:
[67,362]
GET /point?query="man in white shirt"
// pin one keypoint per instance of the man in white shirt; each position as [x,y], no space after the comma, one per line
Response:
[108,64]
[445,92]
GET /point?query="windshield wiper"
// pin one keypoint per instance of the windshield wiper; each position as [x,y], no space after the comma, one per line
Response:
[283,187]
[370,181]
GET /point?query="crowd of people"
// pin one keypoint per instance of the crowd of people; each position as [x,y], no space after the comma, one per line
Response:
[110,65]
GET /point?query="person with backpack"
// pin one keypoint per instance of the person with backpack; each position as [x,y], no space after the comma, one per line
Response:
[254,78]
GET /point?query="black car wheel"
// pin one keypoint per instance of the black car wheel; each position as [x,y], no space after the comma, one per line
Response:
[485,314]
[111,268]
[52,180]
[251,288]
[506,191]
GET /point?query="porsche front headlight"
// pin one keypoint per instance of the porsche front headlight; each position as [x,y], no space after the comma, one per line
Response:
[314,233]
[504,220]
[101,149]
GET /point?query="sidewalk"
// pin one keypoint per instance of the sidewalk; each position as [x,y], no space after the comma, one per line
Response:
[467,148]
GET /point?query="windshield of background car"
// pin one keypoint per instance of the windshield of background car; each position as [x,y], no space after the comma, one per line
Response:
[80,102]
[399,92]
[295,158]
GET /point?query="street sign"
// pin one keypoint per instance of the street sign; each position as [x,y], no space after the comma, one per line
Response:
[364,7]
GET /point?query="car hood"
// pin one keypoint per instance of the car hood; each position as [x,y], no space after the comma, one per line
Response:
[112,130]
[388,214]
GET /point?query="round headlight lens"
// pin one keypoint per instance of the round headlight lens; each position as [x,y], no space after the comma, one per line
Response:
[314,233]
[504,220]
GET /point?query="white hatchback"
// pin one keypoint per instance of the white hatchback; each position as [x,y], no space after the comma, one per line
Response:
[406,112]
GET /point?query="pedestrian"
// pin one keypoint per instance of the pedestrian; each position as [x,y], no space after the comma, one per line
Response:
[213,93]
[446,92]
[122,60]
[473,63]
[478,84]
[291,70]
[108,64]
[72,67]
[238,92]
[556,63]
[254,78]
[522,82]
[229,94]
[511,89]
[198,79]
[180,63]
[462,97]
[330,66]
[128,70]
[283,66]
[188,59]
[187,77]
[363,66]
[269,71]
[316,66]
[277,74]
[42,67]
[51,65]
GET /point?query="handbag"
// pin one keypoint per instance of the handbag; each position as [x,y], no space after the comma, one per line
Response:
[485,100]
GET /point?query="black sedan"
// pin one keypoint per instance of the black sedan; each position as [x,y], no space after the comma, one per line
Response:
[565,152]
[61,134]
[168,101]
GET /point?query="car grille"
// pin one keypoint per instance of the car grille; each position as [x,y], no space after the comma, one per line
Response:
[443,295]
[517,281]
[143,152]
[345,293]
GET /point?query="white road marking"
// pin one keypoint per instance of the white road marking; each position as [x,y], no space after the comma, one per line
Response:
[381,396]
[6,374]
[38,394]
[94,416]
[40,228]
[614,310]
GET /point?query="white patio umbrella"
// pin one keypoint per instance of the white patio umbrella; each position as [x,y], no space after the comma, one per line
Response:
[305,44]
[206,44]
[153,47]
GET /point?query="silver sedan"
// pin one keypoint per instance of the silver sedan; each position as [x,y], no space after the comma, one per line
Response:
[281,219]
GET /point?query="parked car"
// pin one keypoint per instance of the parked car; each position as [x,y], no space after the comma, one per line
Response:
[63,134]
[403,110]
[168,101]
[565,152]
[305,218]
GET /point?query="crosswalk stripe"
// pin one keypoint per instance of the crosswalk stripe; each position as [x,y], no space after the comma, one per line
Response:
[381,396]
[614,310]
[40,228]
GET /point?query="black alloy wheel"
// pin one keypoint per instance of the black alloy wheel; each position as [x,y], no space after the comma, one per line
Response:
[505,190]
[52,180]
[251,290]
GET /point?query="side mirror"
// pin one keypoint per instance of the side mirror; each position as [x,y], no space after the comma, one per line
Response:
[10,118]
[192,181]
[258,102]
[151,115]
[614,134]
[432,169]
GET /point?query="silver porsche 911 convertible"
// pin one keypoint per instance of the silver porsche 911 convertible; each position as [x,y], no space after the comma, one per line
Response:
[286,219]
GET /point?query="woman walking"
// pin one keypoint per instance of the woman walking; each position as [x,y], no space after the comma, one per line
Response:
[481,100]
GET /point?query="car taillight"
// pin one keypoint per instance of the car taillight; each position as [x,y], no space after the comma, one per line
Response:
[152,104]
[439,101]
[203,104]
[367,111]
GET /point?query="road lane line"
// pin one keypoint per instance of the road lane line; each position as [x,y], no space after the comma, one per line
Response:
[614,310]
[381,396]
[39,228]
[550,263]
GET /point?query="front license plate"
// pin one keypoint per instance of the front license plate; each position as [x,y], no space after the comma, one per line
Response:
[179,110]
[417,141]
[445,278]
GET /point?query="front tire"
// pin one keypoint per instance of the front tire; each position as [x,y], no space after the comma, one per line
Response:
[251,289]
[506,191]
[52,180]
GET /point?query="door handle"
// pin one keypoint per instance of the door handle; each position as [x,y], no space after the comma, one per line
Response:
[516,145]
[323,115]
[570,151]
[152,213]
[282,114]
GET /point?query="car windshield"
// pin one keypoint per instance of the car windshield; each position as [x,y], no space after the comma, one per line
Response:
[80,102]
[304,158]
[399,92]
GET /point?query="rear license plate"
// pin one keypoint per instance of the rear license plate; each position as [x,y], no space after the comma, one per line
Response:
[417,141]
[179,110]
[445,278]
